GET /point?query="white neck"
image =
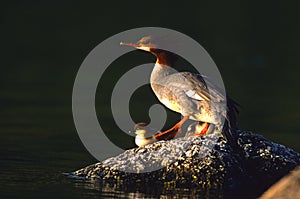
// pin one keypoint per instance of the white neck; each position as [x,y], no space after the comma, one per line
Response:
[141,140]
[160,71]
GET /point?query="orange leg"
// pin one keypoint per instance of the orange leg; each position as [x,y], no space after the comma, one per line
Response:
[172,132]
[203,131]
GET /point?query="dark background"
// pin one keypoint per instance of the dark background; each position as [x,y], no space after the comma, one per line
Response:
[255,44]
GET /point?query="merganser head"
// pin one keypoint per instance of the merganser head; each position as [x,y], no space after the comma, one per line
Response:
[141,128]
[151,44]
[146,44]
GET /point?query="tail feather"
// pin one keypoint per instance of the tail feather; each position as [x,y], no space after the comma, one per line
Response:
[230,125]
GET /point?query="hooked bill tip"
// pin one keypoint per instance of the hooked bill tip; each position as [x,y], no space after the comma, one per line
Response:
[129,44]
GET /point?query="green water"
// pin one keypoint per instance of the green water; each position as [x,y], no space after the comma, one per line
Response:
[255,46]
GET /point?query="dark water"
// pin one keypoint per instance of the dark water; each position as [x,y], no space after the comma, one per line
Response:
[254,44]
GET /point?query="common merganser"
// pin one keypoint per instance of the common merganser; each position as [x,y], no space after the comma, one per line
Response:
[186,93]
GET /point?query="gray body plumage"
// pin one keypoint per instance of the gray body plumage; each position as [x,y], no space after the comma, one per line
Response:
[188,94]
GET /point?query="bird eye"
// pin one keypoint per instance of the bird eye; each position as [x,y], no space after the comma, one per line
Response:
[145,42]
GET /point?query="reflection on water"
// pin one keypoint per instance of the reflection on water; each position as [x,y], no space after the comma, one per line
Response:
[134,191]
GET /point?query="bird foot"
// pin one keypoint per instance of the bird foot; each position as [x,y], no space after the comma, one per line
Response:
[203,131]
[168,134]
[172,132]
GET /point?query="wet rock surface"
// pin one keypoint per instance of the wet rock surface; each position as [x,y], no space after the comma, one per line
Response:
[206,162]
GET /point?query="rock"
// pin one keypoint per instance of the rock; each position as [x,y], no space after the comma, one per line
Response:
[206,162]
[265,161]
[286,188]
